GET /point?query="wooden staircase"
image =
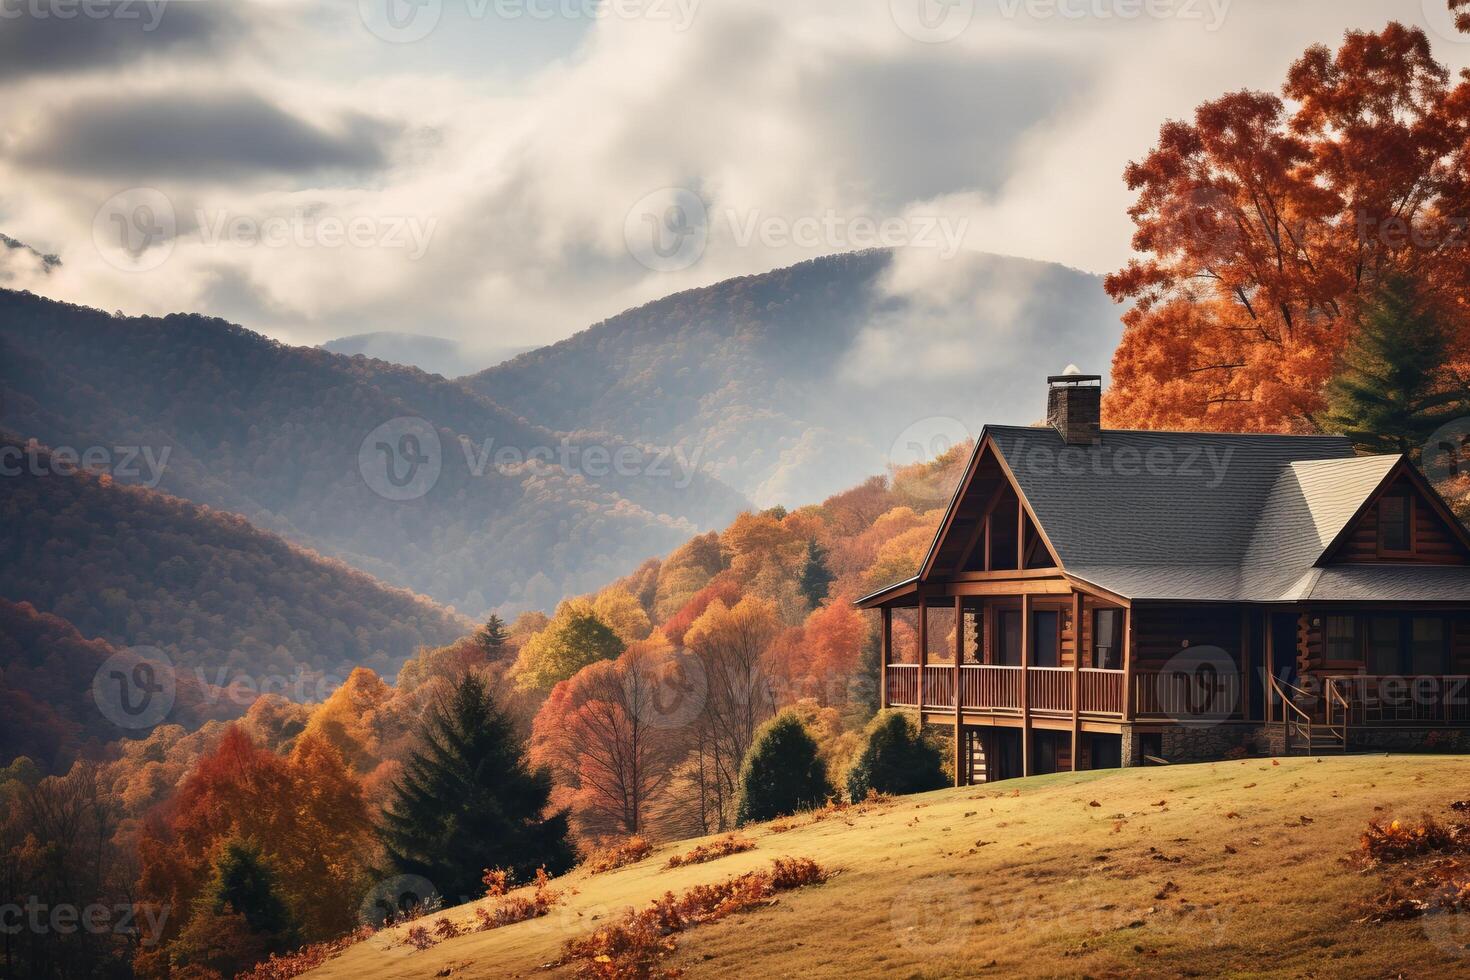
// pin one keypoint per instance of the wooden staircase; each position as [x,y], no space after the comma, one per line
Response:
[1311,728]
[973,758]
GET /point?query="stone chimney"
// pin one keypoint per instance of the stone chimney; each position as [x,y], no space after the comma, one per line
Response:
[1074,406]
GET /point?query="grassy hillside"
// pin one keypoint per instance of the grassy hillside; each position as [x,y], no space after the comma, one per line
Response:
[1192,870]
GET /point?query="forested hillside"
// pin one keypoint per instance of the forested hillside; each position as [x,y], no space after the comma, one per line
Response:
[799,382]
[517,516]
[138,567]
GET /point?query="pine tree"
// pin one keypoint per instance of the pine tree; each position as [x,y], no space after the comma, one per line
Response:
[491,637]
[782,773]
[816,577]
[239,918]
[468,800]
[1392,390]
[895,759]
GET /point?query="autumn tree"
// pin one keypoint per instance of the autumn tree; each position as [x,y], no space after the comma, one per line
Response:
[239,918]
[574,638]
[1392,392]
[783,773]
[469,800]
[612,736]
[620,612]
[1267,222]
[816,577]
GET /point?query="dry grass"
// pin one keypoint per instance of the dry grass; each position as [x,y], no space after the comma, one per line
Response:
[715,849]
[1026,878]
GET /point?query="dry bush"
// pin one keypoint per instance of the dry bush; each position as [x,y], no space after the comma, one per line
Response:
[619,854]
[497,881]
[1399,841]
[634,947]
[518,908]
[304,959]
[835,808]
[717,848]
[418,937]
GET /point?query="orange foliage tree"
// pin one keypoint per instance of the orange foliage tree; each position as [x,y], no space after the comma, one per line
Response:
[1266,222]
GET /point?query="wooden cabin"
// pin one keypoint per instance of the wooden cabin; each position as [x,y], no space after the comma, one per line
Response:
[1096,598]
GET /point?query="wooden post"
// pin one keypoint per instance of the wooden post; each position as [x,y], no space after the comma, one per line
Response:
[923,653]
[1076,677]
[1020,537]
[885,657]
[1245,664]
[959,656]
[1267,617]
[987,542]
[1026,684]
[1128,697]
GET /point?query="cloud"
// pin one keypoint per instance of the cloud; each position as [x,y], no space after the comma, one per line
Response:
[209,136]
[54,37]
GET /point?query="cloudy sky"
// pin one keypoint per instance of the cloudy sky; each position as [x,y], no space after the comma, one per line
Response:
[506,172]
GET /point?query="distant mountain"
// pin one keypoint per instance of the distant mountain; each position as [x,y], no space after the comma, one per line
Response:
[136,567]
[412,478]
[435,355]
[794,384]
[17,260]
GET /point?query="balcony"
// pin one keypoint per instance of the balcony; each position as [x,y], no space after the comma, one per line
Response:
[987,689]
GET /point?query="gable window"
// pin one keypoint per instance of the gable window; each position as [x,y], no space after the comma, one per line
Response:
[1107,639]
[1342,639]
[1395,523]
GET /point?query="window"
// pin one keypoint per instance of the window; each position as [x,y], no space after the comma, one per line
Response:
[1395,523]
[1045,630]
[1342,639]
[1009,628]
[1384,635]
[1107,639]
[1427,645]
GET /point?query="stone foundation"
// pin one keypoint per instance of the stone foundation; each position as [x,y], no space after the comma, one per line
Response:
[1451,740]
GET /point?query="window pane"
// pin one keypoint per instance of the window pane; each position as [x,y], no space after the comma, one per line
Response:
[1342,638]
[1010,638]
[1383,646]
[1107,625]
[1393,523]
[1044,652]
[1428,645]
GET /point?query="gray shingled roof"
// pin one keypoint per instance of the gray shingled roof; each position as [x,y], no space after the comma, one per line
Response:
[1210,516]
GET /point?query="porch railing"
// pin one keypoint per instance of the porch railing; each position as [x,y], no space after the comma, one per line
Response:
[1364,699]
[1202,695]
[995,688]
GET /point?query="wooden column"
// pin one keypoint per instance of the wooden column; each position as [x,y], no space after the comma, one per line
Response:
[923,653]
[1270,644]
[1026,684]
[1245,663]
[959,727]
[1128,698]
[987,542]
[885,657]
[1076,677]
[1020,537]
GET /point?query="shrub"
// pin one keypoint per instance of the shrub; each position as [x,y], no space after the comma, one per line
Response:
[895,760]
[782,773]
[617,855]
[305,959]
[633,947]
[718,848]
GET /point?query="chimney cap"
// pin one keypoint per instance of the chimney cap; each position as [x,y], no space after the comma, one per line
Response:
[1073,378]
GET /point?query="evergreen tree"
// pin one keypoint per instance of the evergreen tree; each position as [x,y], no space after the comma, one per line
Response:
[895,759]
[782,773]
[816,577]
[491,637]
[239,918]
[1392,391]
[468,800]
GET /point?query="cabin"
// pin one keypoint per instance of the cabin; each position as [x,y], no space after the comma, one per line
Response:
[1096,598]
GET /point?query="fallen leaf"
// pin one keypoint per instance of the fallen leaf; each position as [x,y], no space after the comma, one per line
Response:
[1095,803]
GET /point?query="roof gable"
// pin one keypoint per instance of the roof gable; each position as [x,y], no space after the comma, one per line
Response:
[1439,537]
